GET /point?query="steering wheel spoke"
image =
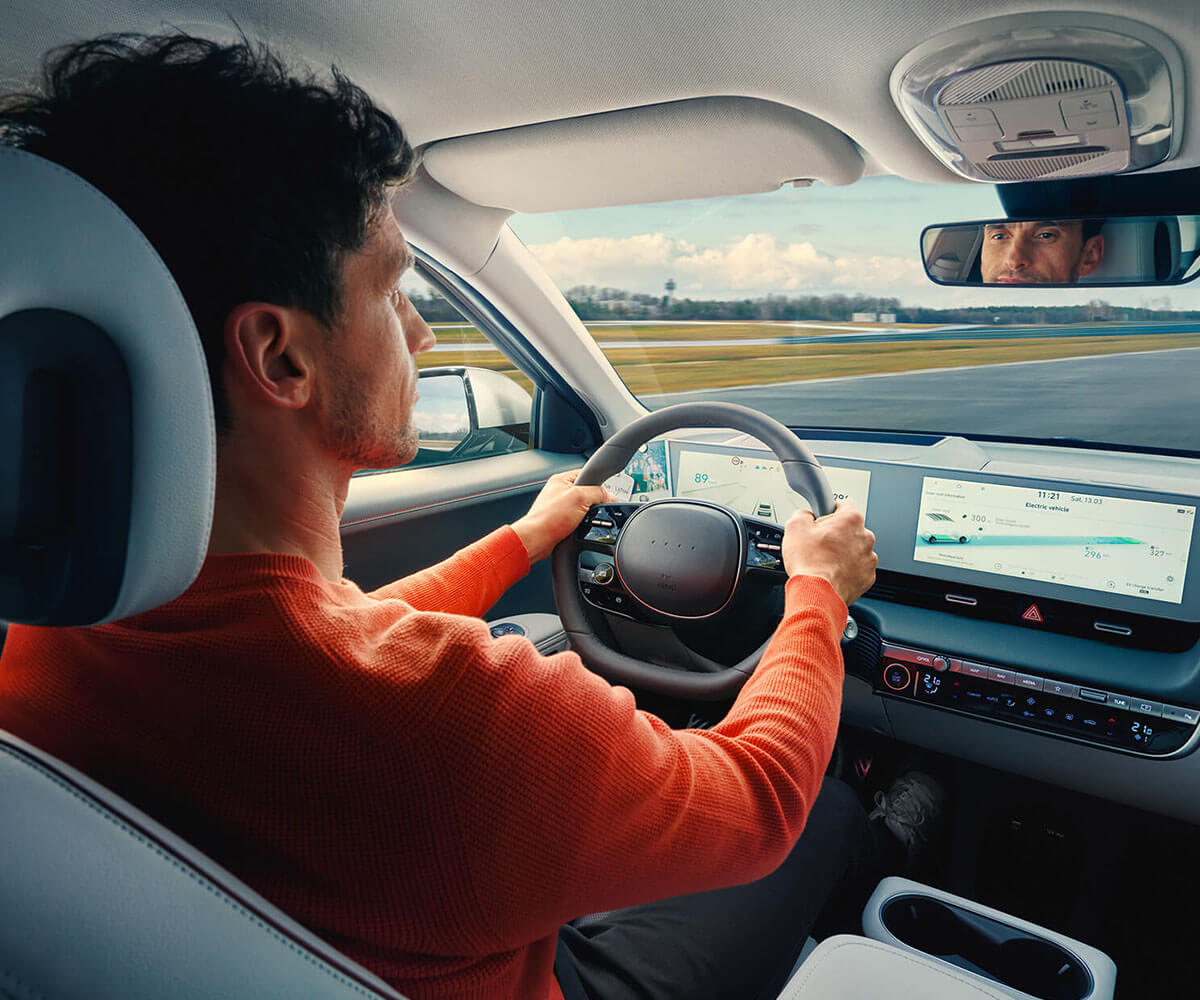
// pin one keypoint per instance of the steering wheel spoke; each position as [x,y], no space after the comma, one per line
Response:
[601,525]
[764,549]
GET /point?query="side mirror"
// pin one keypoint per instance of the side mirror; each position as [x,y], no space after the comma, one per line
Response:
[469,413]
[1064,252]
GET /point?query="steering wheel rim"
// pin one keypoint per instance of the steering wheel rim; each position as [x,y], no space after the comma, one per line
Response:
[803,474]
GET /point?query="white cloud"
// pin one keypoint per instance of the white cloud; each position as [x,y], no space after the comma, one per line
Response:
[755,264]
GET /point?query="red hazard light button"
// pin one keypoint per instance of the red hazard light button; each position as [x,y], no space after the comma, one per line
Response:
[1032,614]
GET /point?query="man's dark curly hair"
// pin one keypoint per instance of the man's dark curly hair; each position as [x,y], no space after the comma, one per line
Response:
[253,181]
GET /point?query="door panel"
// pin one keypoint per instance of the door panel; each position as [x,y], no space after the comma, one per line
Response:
[398,522]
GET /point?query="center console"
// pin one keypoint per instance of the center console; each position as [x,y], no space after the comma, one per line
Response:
[1021,958]
[994,691]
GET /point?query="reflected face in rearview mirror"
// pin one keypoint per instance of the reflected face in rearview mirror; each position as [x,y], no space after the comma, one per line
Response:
[1064,251]
[1040,253]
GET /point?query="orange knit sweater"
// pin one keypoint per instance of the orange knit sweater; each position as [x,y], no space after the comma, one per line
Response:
[431,801]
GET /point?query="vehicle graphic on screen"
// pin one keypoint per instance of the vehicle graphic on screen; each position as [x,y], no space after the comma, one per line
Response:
[944,530]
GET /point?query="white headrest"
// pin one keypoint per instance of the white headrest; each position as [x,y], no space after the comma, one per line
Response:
[65,246]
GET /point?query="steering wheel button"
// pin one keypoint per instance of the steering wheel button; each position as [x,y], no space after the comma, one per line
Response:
[603,573]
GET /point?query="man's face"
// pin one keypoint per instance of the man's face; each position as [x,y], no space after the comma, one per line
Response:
[370,366]
[1025,253]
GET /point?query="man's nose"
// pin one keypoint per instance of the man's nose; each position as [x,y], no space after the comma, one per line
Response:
[420,336]
[1017,258]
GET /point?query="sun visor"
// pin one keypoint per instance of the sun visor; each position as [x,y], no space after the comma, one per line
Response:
[664,152]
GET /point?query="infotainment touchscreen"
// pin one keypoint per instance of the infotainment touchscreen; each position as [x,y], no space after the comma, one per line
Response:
[1137,548]
[755,486]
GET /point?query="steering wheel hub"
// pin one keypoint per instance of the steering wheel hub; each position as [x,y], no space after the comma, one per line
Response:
[681,558]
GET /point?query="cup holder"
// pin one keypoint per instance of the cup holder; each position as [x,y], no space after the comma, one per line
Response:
[988,947]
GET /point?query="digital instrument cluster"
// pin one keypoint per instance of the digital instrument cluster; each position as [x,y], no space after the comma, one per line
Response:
[747,481]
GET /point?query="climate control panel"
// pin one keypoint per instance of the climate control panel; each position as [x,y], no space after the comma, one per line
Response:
[1060,708]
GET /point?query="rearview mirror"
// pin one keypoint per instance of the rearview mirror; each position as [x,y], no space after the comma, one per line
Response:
[1064,252]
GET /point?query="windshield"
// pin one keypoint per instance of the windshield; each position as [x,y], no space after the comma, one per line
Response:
[812,305]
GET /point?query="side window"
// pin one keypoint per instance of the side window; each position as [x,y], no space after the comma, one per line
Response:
[474,402]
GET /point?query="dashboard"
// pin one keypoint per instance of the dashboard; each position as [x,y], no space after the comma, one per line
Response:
[1037,607]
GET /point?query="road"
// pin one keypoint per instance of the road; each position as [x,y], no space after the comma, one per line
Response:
[1150,399]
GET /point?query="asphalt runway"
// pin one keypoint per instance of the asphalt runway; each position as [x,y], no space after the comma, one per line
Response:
[1150,399]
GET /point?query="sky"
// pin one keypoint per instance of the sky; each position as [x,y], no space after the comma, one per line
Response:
[860,238]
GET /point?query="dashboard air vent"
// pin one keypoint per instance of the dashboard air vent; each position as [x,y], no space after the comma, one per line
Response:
[862,655]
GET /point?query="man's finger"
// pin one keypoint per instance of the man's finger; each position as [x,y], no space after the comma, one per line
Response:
[595,494]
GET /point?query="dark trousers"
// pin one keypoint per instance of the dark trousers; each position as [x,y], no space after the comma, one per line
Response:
[730,943]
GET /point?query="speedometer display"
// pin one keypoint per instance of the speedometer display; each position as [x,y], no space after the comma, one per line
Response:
[755,485]
[1136,548]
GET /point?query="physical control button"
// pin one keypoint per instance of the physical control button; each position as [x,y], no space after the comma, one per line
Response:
[1088,104]
[940,663]
[1063,140]
[1060,688]
[506,628]
[1087,694]
[975,669]
[598,533]
[978,133]
[975,117]
[1085,123]
[1029,682]
[603,573]
[1189,716]
[897,676]
[1144,707]
[1002,676]
[1119,701]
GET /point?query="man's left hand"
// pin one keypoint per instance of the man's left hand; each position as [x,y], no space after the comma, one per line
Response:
[557,512]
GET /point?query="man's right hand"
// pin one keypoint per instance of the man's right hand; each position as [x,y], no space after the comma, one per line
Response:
[838,548]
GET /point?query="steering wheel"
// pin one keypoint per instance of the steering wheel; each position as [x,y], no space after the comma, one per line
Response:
[672,561]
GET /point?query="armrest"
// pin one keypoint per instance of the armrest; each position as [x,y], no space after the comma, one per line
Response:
[545,631]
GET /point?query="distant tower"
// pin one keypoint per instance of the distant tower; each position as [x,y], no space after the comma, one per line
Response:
[670,287]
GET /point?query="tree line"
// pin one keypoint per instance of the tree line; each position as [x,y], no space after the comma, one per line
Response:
[594,303]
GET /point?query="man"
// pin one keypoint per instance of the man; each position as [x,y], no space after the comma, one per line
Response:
[431,801]
[1026,253]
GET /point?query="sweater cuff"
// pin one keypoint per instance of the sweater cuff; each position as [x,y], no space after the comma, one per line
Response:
[804,592]
[508,557]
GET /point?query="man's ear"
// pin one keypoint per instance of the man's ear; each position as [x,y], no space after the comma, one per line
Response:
[268,354]
[1093,254]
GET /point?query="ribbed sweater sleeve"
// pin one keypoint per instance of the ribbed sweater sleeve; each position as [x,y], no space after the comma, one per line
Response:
[470,581]
[613,808]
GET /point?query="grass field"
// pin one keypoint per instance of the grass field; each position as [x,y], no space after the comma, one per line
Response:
[711,366]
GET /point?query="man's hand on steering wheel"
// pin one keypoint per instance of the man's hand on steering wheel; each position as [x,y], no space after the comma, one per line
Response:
[556,512]
[839,548]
